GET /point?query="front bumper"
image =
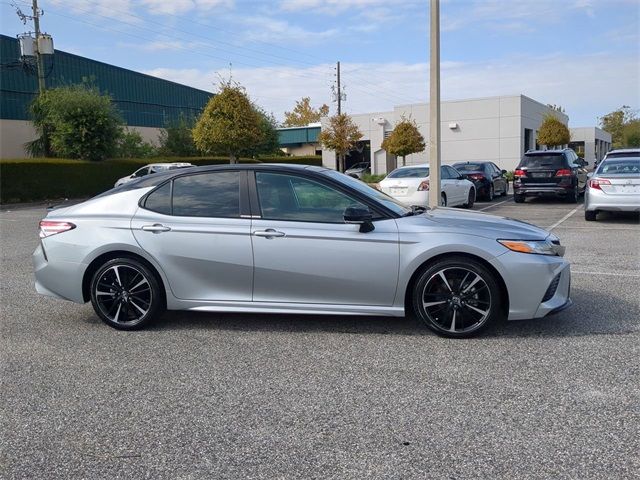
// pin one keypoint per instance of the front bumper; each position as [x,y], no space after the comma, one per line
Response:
[528,279]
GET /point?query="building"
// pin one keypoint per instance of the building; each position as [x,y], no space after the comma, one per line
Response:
[146,103]
[591,143]
[299,141]
[499,129]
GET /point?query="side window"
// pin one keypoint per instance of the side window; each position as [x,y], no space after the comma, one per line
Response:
[289,197]
[141,172]
[453,173]
[215,194]
[444,174]
[160,200]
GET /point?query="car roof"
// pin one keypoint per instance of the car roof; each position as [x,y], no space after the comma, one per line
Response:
[546,152]
[472,162]
[161,164]
[624,150]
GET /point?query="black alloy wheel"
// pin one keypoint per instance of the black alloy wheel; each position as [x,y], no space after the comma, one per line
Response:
[125,294]
[457,297]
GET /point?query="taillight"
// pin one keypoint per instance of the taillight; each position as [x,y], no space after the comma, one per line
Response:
[595,183]
[424,185]
[519,173]
[563,172]
[476,176]
[49,227]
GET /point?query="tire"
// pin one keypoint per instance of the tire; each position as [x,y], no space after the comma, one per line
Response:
[471,199]
[443,200]
[126,294]
[463,303]
[491,193]
[590,215]
[506,190]
[518,198]
[572,196]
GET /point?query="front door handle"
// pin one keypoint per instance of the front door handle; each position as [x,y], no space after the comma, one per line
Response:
[155,228]
[269,233]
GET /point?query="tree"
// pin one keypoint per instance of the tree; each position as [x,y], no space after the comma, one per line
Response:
[176,139]
[341,136]
[616,122]
[78,122]
[229,124]
[404,140]
[631,134]
[270,140]
[553,133]
[303,114]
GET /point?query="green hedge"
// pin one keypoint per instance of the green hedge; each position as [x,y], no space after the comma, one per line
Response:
[35,179]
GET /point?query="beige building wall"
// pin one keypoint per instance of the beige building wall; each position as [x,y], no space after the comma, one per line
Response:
[15,133]
[302,150]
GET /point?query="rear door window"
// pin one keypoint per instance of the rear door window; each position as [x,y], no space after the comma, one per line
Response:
[207,195]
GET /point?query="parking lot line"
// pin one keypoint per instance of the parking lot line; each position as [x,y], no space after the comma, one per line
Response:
[494,205]
[566,217]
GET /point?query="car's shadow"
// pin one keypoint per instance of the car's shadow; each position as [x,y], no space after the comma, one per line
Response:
[593,313]
[619,218]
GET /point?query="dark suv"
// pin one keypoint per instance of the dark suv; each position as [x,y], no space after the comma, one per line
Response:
[550,172]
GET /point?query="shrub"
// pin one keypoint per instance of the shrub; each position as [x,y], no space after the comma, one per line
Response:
[177,139]
[131,145]
[76,122]
[373,178]
[35,179]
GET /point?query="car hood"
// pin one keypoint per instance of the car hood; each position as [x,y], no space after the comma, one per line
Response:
[477,223]
[124,179]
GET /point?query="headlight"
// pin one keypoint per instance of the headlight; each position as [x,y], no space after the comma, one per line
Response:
[539,247]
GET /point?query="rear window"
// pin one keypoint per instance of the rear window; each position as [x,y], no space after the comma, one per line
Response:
[620,167]
[409,173]
[468,167]
[543,161]
[623,154]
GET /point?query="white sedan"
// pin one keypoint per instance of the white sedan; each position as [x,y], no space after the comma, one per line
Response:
[150,169]
[410,185]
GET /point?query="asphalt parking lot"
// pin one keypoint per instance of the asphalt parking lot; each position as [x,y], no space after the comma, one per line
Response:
[276,396]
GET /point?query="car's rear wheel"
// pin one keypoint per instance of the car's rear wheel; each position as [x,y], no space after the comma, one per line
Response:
[506,190]
[518,198]
[471,199]
[491,193]
[443,200]
[590,215]
[572,195]
[126,294]
[457,297]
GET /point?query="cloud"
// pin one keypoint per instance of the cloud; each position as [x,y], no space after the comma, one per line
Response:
[335,7]
[107,8]
[272,30]
[172,7]
[160,45]
[381,86]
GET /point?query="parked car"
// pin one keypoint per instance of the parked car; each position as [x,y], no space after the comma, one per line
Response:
[293,239]
[410,185]
[613,187]
[486,176]
[559,173]
[151,168]
[619,153]
[359,170]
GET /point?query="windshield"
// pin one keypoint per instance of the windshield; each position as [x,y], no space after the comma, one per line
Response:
[623,154]
[359,165]
[542,161]
[469,167]
[391,203]
[418,172]
[622,166]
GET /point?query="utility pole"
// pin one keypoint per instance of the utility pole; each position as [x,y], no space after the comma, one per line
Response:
[434,107]
[39,60]
[339,92]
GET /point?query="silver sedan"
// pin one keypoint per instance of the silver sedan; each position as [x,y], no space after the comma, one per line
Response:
[293,239]
[613,187]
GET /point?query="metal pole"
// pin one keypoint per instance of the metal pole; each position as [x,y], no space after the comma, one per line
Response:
[36,26]
[434,107]
[339,92]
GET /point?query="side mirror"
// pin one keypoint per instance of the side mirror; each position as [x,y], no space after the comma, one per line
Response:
[504,172]
[359,215]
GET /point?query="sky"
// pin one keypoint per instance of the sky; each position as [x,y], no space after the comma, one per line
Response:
[583,55]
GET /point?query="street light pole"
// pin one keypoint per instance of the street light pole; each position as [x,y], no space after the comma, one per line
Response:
[434,107]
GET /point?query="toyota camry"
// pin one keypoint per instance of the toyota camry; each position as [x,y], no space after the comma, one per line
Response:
[293,239]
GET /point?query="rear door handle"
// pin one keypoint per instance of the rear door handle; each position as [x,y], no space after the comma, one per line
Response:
[269,233]
[155,228]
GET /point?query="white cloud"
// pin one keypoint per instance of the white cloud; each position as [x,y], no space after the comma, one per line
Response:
[335,7]
[172,7]
[107,8]
[598,88]
[160,45]
[272,30]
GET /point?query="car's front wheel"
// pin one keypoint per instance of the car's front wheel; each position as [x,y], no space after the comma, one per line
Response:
[126,294]
[471,199]
[457,297]
[590,215]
